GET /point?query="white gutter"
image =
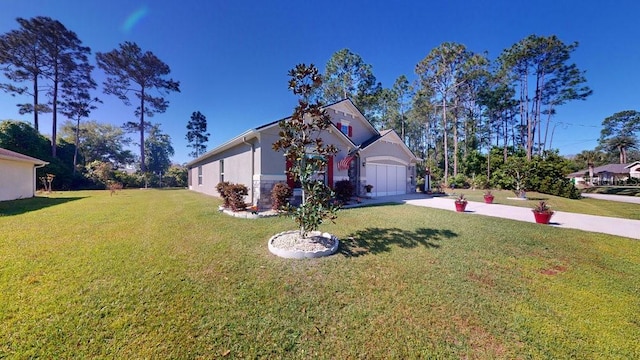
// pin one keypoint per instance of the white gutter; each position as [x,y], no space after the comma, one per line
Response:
[253,161]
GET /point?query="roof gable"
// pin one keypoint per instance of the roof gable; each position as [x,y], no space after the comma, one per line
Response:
[392,137]
[346,109]
[632,164]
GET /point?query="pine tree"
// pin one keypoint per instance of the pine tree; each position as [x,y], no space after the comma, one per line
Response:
[196,134]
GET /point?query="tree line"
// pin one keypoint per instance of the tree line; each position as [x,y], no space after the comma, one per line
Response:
[43,57]
[460,108]
[463,106]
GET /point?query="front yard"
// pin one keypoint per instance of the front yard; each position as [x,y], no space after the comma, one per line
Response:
[163,274]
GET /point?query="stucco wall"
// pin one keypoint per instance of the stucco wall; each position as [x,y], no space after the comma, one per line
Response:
[17,180]
[272,162]
[360,131]
[237,169]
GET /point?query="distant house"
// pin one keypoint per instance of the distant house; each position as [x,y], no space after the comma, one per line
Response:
[17,175]
[365,157]
[609,174]
[634,169]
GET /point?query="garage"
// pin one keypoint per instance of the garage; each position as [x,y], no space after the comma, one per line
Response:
[387,179]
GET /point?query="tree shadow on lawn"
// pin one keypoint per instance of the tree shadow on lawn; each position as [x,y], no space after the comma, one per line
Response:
[371,241]
[21,206]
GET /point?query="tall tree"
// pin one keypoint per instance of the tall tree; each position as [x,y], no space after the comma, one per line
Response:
[69,66]
[77,102]
[197,134]
[348,76]
[443,71]
[622,144]
[497,101]
[620,132]
[22,57]
[402,94]
[44,48]
[127,66]
[158,151]
[545,80]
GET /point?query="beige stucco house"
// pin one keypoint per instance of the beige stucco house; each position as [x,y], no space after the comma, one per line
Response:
[17,175]
[365,156]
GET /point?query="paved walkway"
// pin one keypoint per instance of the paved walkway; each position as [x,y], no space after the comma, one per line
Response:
[600,224]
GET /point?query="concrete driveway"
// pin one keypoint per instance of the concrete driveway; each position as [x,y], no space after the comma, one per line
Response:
[600,224]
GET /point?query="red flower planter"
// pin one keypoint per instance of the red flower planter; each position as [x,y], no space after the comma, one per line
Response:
[488,199]
[542,217]
[460,207]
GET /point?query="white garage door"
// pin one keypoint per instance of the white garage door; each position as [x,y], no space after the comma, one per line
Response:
[387,179]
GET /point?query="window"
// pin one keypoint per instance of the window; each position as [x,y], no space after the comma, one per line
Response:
[345,128]
[199,175]
[221,170]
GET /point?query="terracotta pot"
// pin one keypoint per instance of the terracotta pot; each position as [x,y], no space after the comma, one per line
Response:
[460,207]
[542,217]
[488,199]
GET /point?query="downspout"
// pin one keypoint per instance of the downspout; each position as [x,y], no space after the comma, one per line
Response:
[253,160]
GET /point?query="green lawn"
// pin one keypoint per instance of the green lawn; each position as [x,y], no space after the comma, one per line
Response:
[161,274]
[583,206]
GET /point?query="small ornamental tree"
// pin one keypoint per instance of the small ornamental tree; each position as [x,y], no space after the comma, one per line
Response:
[301,142]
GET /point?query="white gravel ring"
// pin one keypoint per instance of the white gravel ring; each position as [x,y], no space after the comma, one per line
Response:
[288,244]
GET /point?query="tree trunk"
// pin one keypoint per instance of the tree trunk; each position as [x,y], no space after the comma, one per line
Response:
[455,137]
[143,166]
[54,117]
[76,142]
[444,140]
[35,103]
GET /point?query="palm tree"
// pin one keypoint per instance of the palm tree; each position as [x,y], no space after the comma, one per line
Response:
[622,143]
[591,158]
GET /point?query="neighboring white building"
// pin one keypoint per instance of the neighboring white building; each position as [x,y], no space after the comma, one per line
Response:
[17,175]
[634,169]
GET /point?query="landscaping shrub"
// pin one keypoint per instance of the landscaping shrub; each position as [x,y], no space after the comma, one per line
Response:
[129,180]
[221,188]
[236,193]
[480,182]
[547,175]
[344,190]
[459,181]
[280,195]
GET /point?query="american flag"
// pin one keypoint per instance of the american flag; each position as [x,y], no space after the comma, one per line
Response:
[344,163]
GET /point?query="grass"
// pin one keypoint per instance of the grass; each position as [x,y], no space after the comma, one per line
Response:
[162,274]
[582,206]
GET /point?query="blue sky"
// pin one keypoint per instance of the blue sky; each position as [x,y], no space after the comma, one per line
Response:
[232,57]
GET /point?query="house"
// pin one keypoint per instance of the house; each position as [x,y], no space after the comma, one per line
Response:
[634,170]
[17,175]
[609,174]
[365,157]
